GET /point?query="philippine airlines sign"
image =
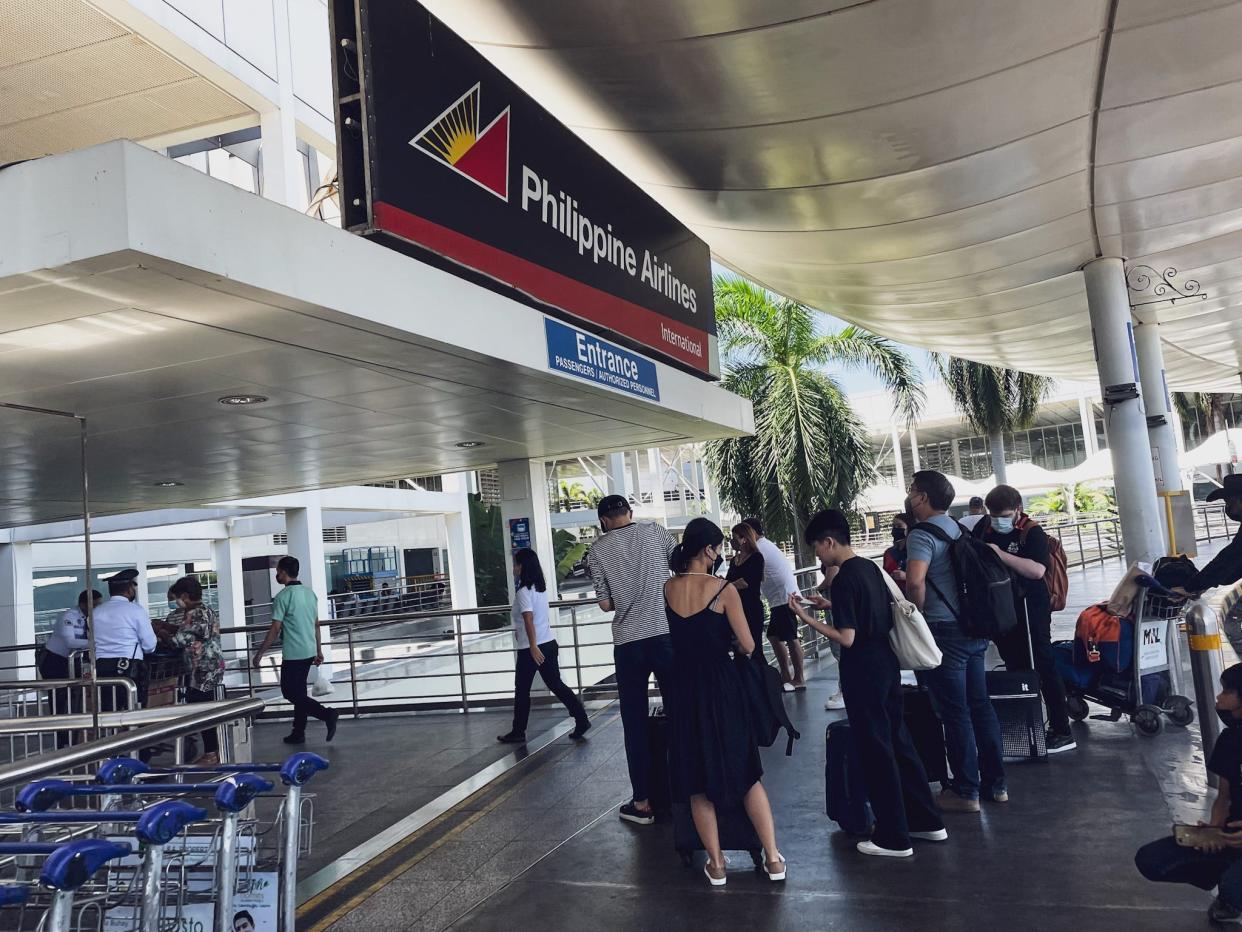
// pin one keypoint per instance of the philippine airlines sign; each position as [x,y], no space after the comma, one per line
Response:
[443,156]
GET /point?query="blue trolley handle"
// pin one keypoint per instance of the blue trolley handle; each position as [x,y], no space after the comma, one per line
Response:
[42,795]
[73,864]
[296,769]
[156,825]
[13,894]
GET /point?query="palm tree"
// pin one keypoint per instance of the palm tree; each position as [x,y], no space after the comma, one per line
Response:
[993,400]
[809,449]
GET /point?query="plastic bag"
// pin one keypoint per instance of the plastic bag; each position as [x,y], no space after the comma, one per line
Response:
[323,685]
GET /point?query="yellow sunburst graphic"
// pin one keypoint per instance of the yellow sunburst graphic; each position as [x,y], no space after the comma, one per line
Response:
[454,131]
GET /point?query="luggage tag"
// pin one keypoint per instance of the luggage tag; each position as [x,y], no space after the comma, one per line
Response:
[1093,652]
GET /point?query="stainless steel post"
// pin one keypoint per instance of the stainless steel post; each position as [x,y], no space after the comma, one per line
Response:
[152,871]
[1203,635]
[226,873]
[60,916]
[1099,543]
[289,859]
[461,661]
[90,602]
[353,668]
[1082,554]
[573,621]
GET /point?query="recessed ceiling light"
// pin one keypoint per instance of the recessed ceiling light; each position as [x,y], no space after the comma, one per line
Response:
[167,484]
[232,400]
[470,444]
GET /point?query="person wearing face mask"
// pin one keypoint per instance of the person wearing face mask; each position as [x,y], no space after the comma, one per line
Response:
[1022,546]
[1216,861]
[123,635]
[629,566]
[1226,567]
[197,633]
[713,752]
[895,556]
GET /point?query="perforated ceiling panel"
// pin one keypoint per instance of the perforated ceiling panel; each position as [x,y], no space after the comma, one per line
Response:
[70,77]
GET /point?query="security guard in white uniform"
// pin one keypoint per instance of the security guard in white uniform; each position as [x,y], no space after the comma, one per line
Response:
[123,634]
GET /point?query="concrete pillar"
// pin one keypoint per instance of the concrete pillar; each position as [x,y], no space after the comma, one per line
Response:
[144,583]
[1116,359]
[524,497]
[618,481]
[226,560]
[283,175]
[17,609]
[897,459]
[462,584]
[304,528]
[914,449]
[1086,418]
[956,447]
[1161,432]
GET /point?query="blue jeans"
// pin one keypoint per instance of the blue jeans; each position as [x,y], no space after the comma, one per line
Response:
[959,694]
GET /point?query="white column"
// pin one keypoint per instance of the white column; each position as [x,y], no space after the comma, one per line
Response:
[618,482]
[226,560]
[914,449]
[144,595]
[1161,432]
[17,609]
[901,466]
[1086,415]
[956,446]
[462,583]
[304,527]
[283,176]
[524,497]
[1109,308]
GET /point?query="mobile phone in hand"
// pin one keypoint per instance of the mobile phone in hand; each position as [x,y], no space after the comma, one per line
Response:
[1192,836]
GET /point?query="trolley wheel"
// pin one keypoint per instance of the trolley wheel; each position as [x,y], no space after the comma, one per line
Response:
[1149,720]
[686,857]
[1181,711]
[756,857]
[1077,708]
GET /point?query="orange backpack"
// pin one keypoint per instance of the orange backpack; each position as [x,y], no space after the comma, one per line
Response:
[1097,628]
[1056,574]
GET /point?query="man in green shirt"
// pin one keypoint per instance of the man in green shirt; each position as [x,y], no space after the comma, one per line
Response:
[295,612]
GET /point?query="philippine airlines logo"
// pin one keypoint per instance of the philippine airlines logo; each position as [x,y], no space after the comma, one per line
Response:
[454,139]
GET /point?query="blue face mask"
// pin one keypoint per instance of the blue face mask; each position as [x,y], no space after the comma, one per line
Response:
[1003,525]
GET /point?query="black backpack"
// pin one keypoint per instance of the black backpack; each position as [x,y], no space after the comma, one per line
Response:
[984,586]
[765,703]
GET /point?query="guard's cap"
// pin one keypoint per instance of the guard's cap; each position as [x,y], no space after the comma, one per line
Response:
[611,504]
[125,576]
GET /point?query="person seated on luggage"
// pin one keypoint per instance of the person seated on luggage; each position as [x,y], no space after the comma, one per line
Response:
[713,753]
[895,556]
[1216,863]
[1023,547]
[1226,567]
[896,782]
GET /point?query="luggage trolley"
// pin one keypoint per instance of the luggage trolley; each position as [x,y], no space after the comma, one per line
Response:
[1157,615]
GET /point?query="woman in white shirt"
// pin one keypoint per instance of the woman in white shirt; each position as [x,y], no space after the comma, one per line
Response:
[536,649]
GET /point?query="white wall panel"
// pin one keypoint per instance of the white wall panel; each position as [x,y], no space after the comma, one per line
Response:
[206,14]
[312,61]
[250,31]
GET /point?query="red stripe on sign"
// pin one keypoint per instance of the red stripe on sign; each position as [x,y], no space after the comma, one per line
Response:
[633,320]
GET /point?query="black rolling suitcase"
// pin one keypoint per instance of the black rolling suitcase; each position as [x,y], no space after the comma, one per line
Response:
[926,731]
[660,791]
[733,825]
[1015,696]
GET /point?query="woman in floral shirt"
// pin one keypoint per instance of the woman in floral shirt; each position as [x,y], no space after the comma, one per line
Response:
[198,634]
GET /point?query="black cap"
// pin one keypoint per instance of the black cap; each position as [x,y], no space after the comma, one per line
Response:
[976,500]
[1232,489]
[125,576]
[611,504]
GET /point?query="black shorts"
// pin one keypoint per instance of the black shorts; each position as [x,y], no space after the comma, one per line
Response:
[782,625]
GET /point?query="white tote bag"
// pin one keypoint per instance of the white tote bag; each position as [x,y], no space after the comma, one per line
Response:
[910,637]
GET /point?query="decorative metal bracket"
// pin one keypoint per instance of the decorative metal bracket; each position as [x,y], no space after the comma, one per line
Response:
[1144,281]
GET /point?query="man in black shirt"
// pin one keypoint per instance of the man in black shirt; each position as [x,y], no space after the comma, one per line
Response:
[1226,567]
[896,782]
[1216,862]
[1023,547]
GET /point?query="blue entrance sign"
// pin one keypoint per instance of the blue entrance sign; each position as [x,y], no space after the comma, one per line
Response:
[588,357]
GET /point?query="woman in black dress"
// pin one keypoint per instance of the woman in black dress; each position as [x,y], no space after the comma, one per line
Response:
[713,757]
[746,575]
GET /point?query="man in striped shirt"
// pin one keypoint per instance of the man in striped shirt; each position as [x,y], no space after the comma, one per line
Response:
[629,566]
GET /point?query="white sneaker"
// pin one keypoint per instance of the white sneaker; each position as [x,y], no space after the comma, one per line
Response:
[835,703]
[938,835]
[867,847]
[788,687]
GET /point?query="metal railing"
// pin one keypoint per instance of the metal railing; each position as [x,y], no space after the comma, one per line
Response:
[462,659]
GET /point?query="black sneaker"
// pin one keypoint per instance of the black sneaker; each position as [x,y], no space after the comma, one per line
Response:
[513,737]
[1220,911]
[580,731]
[295,739]
[1058,742]
[333,717]
[631,813]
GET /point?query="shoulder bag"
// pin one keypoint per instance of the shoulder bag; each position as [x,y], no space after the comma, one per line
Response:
[910,637]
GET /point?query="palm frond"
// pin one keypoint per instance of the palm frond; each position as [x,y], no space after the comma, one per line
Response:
[860,348]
